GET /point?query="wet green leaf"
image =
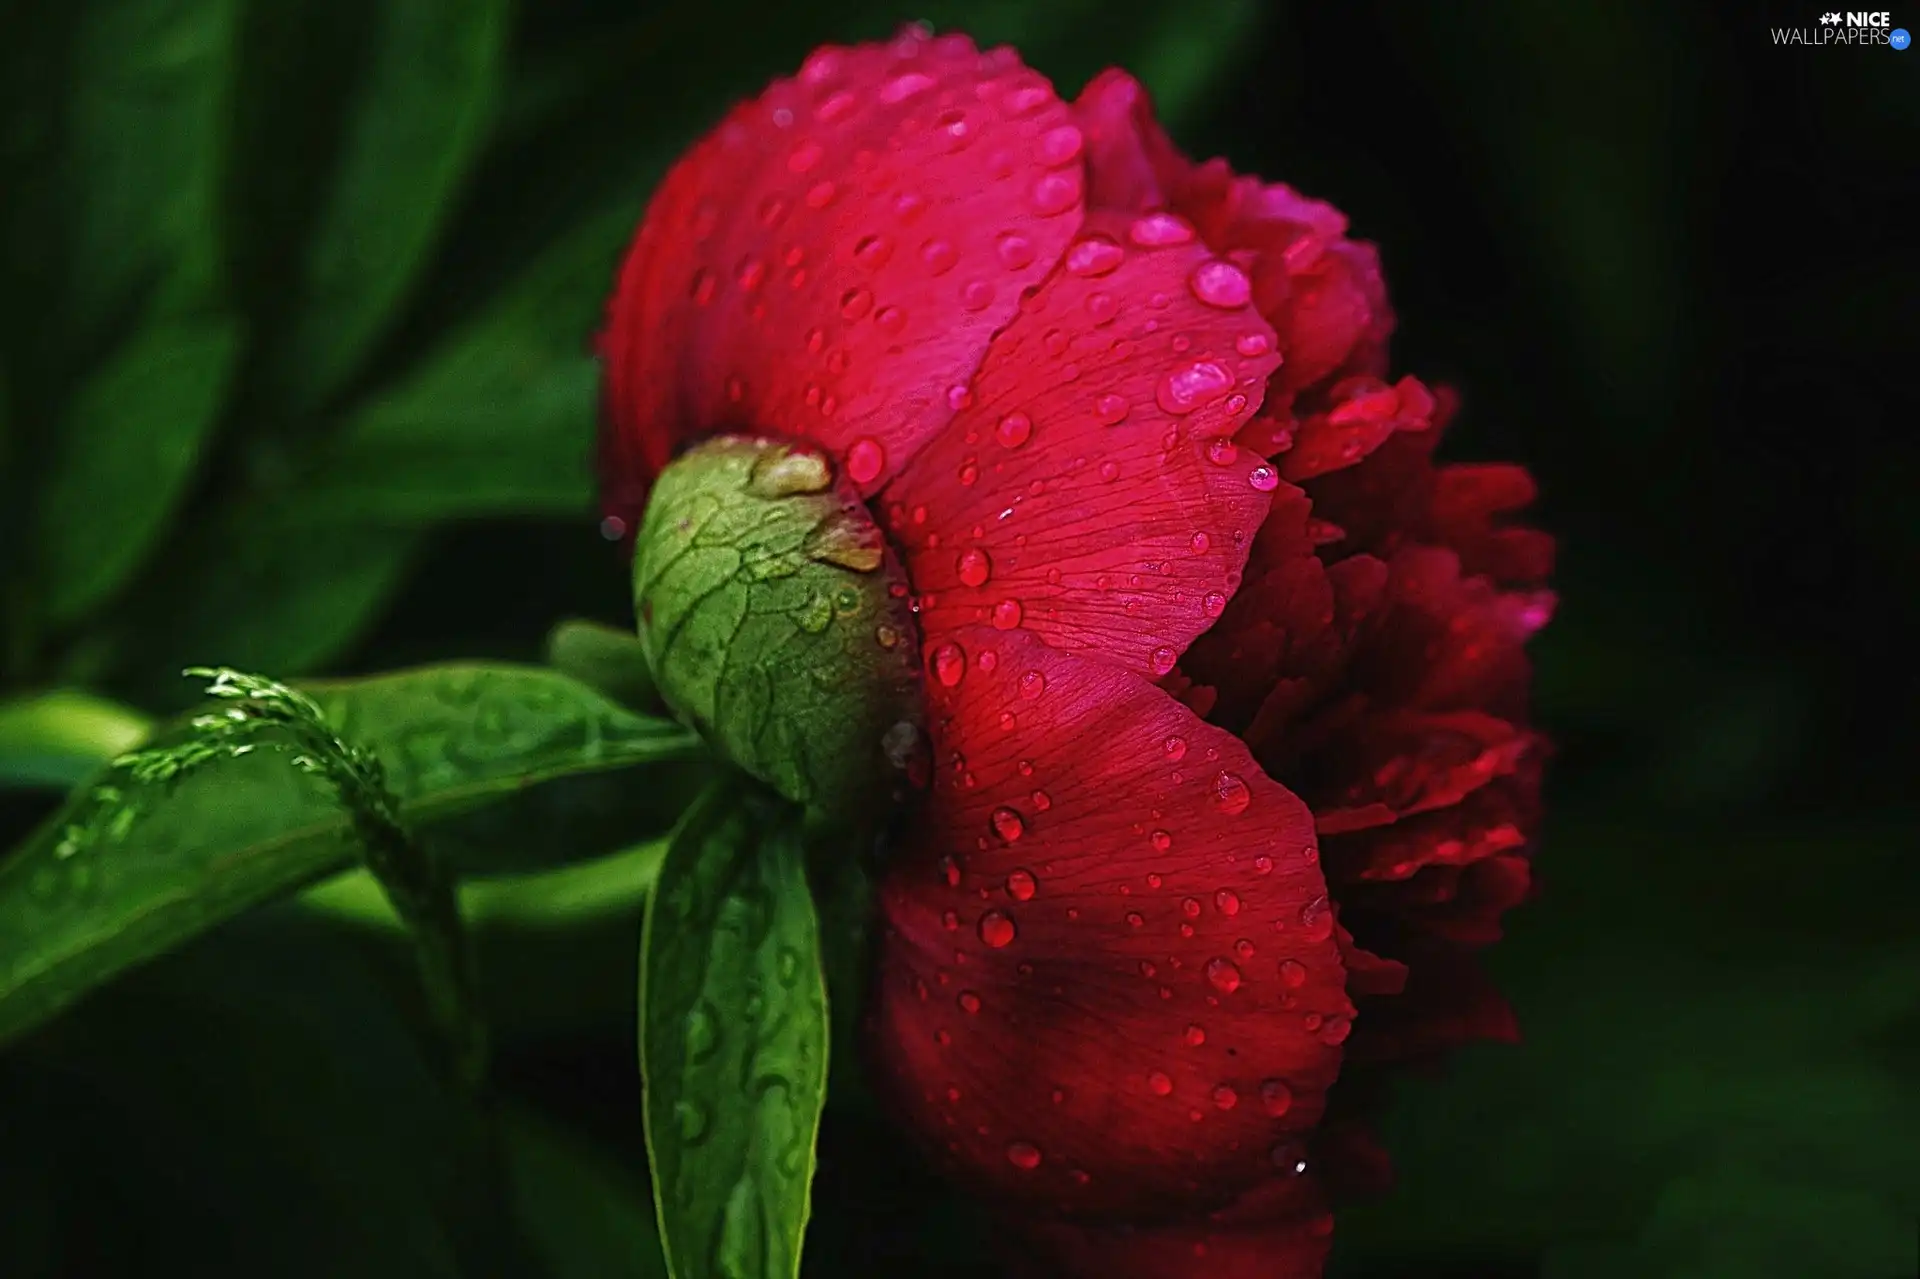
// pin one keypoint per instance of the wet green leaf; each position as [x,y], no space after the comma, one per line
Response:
[733,1039]
[416,119]
[131,444]
[453,739]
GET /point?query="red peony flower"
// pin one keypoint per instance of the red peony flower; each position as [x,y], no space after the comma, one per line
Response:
[1225,682]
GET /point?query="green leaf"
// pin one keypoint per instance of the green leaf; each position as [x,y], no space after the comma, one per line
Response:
[733,1039]
[585,1216]
[418,119]
[500,418]
[241,832]
[60,738]
[131,444]
[141,156]
[604,657]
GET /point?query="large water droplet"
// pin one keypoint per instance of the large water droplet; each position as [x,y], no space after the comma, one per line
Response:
[1160,1083]
[1224,975]
[1055,193]
[1006,614]
[1185,390]
[865,460]
[1020,884]
[1008,824]
[1014,250]
[1275,1097]
[1157,230]
[1195,1035]
[1316,917]
[969,1002]
[1227,902]
[1263,478]
[1293,973]
[1095,256]
[1162,659]
[1013,430]
[996,929]
[1231,794]
[1024,1155]
[1111,410]
[974,567]
[1032,685]
[1175,748]
[1225,1098]
[1060,146]
[1220,284]
[1161,840]
[938,257]
[949,664]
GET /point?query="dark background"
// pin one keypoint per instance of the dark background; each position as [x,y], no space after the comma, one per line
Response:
[1667,263]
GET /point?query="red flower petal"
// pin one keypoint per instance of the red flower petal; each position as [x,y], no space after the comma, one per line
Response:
[1109,982]
[837,255]
[1087,491]
[1289,1239]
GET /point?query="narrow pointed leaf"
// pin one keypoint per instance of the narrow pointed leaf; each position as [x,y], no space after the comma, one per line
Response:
[733,1039]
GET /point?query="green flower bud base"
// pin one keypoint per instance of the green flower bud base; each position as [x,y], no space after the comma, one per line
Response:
[778,623]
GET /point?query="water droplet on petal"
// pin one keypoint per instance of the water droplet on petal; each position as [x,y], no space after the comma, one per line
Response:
[1231,794]
[900,88]
[1060,146]
[1224,975]
[891,319]
[1317,918]
[1109,472]
[1095,256]
[950,871]
[1213,604]
[1161,841]
[1276,1097]
[1157,230]
[1008,824]
[865,460]
[1032,685]
[1024,1155]
[1220,284]
[1190,907]
[1006,614]
[1015,251]
[1195,1035]
[855,303]
[1185,390]
[974,567]
[969,1002]
[1162,660]
[1014,430]
[1055,193]
[1225,1098]
[1263,478]
[949,664]
[1252,344]
[938,257]
[872,251]
[1175,748]
[1159,1083]
[1222,452]
[1293,973]
[1227,902]
[1021,884]
[1135,919]
[996,929]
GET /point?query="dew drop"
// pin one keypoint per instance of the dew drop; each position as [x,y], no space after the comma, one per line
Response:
[1160,1084]
[969,473]
[950,920]
[1055,193]
[1275,1097]
[949,664]
[1008,824]
[1175,748]
[891,319]
[974,567]
[1153,879]
[1013,430]
[821,194]
[1041,803]
[1161,841]
[950,871]
[1213,604]
[902,87]
[1135,919]
[703,1031]
[1006,614]
[1230,793]
[1195,1035]
[1021,884]
[1095,256]
[1162,660]
[938,257]
[1023,1155]
[835,108]
[1200,542]
[1264,478]
[1243,950]
[968,1001]
[855,303]
[1032,685]
[996,928]
[872,251]
[1111,410]
[1317,918]
[1263,865]
[977,295]
[865,460]
[1227,902]
[1225,1098]
[1220,284]
[1185,390]
[1222,452]
[1157,230]
[1293,973]
[691,1117]
[1109,472]
[1014,250]
[1060,146]
[1224,975]
[1190,907]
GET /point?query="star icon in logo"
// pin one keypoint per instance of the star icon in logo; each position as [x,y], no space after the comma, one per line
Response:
[1830,19]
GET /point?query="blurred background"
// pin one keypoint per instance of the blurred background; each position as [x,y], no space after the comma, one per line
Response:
[294,378]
